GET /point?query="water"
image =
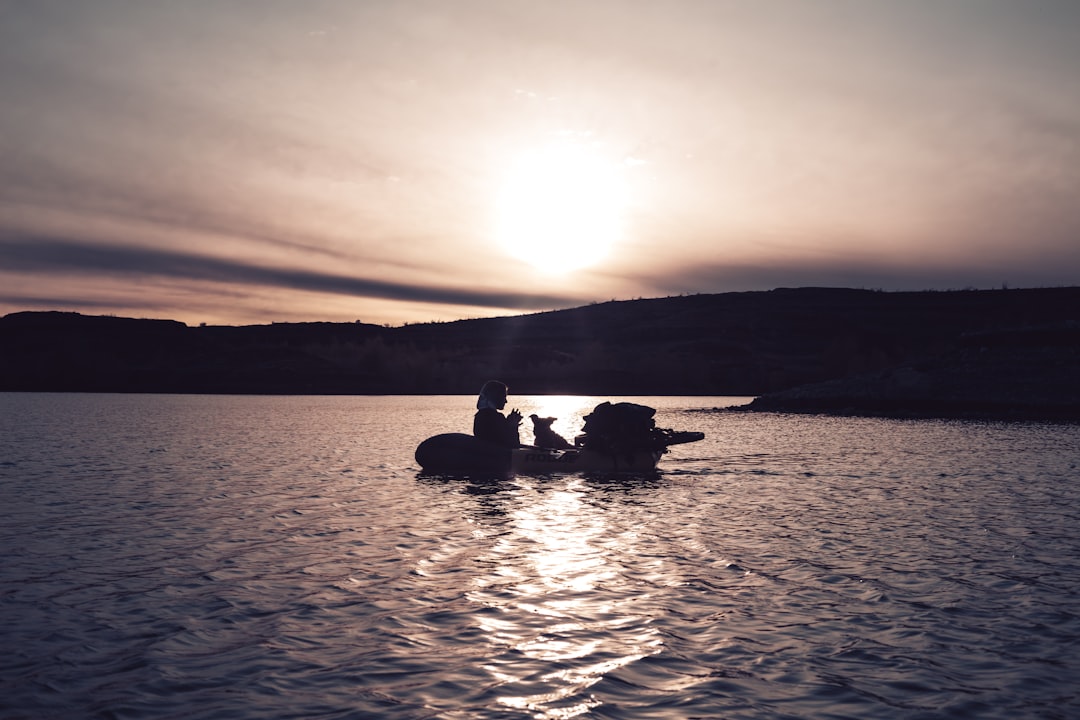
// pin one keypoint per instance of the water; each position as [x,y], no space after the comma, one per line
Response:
[281,557]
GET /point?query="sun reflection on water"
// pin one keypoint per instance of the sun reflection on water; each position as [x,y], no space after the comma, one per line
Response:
[569,411]
[565,609]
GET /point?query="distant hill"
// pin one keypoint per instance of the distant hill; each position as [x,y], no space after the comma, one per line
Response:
[1023,374]
[749,343]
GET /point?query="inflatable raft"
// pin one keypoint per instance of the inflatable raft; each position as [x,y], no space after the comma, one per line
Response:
[461,454]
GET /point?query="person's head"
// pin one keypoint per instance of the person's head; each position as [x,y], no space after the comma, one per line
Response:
[493,394]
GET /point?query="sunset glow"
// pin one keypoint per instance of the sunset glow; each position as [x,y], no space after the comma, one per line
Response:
[406,162]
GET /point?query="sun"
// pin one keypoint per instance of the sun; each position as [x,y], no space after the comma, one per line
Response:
[561,207]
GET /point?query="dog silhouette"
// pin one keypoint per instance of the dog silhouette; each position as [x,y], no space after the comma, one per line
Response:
[544,436]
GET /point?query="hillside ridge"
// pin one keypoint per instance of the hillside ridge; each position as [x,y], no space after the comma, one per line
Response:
[745,343]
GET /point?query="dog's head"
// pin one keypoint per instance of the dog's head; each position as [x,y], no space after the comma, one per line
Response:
[541,423]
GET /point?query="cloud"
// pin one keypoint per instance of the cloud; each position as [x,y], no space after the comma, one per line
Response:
[870,274]
[58,256]
[55,301]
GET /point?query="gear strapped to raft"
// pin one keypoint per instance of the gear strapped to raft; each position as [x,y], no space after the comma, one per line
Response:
[624,428]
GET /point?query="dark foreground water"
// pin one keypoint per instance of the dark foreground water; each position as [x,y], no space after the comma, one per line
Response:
[266,557]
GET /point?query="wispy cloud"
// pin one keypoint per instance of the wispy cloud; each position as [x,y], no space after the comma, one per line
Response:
[868,274]
[54,256]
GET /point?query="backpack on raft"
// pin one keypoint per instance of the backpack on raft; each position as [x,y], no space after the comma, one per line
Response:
[622,429]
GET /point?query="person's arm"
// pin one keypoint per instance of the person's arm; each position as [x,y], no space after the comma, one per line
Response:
[512,430]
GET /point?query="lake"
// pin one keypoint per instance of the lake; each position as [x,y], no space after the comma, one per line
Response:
[282,557]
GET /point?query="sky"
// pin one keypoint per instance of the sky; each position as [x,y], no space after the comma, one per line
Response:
[255,161]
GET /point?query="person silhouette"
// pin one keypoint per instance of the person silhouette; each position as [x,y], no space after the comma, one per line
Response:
[489,423]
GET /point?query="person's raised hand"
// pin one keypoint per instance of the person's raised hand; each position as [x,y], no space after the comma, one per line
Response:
[514,416]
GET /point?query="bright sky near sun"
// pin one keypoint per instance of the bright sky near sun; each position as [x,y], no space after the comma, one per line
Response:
[243,161]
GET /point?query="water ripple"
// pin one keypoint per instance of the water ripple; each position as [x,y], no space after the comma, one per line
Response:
[184,557]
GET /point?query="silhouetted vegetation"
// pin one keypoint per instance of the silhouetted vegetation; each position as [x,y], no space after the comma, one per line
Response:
[751,343]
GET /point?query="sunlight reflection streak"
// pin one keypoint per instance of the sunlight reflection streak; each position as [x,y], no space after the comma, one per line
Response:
[560,634]
[569,411]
